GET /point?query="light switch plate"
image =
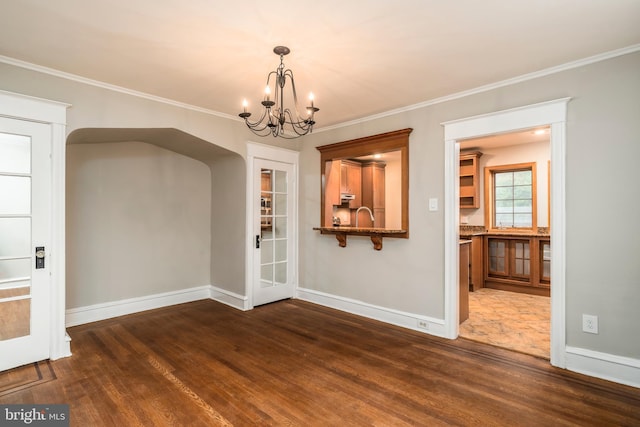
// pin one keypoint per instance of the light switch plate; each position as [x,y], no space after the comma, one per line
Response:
[433,204]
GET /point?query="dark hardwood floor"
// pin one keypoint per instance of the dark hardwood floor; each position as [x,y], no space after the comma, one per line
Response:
[296,363]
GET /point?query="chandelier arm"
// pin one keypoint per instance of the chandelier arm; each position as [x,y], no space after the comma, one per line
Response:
[256,124]
[299,127]
[289,73]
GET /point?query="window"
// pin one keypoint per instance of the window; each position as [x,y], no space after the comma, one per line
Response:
[510,196]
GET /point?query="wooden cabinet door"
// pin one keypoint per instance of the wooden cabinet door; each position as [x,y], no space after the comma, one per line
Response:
[498,257]
[351,182]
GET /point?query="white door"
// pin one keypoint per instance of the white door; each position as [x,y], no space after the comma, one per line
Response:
[25,215]
[274,228]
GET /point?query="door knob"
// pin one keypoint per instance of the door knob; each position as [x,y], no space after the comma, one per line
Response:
[40,254]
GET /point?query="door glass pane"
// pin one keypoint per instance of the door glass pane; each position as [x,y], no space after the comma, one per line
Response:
[15,237]
[267,228]
[266,254]
[15,153]
[14,268]
[18,291]
[280,204]
[281,250]
[15,195]
[281,227]
[16,316]
[266,275]
[281,272]
[280,185]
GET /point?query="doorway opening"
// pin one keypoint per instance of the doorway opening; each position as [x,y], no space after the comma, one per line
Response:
[552,114]
[505,248]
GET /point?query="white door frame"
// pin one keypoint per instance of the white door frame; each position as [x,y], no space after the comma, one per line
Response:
[551,113]
[54,114]
[276,154]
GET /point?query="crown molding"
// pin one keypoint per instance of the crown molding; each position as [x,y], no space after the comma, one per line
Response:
[508,82]
[111,87]
[514,80]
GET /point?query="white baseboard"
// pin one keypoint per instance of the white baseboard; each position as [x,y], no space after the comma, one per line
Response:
[96,312]
[623,370]
[232,299]
[432,326]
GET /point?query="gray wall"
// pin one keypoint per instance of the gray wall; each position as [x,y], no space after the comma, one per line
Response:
[100,115]
[228,228]
[603,244]
[602,151]
[138,222]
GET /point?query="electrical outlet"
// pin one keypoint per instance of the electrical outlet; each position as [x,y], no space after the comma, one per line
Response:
[423,324]
[590,323]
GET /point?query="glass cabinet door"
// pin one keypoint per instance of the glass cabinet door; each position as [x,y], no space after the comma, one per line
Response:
[498,257]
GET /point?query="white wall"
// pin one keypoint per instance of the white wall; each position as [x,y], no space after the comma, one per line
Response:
[538,153]
[138,222]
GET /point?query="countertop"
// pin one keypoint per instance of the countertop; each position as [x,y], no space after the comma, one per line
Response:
[468,231]
[503,233]
[364,230]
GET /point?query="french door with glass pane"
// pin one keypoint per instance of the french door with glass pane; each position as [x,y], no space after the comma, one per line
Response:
[25,228]
[274,263]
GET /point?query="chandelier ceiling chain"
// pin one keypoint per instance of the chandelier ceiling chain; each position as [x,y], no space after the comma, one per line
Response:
[278,118]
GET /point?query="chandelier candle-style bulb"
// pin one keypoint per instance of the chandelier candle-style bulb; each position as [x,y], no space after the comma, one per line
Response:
[245,114]
[277,118]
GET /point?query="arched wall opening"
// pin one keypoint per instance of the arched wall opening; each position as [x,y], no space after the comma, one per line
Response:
[154,216]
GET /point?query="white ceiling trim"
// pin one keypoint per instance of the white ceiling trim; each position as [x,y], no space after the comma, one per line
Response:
[458,95]
[486,88]
[108,86]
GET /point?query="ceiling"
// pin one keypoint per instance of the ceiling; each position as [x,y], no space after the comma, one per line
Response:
[359,58]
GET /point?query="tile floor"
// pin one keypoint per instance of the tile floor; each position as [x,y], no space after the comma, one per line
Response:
[510,320]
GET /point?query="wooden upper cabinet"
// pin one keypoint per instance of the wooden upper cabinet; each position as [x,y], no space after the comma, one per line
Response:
[351,181]
[373,189]
[469,180]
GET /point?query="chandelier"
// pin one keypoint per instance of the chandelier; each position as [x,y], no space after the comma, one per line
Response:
[279,118]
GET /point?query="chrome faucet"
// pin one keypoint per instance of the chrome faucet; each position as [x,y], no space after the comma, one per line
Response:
[358,211]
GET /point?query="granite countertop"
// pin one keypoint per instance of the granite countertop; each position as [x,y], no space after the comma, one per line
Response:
[467,231]
[367,230]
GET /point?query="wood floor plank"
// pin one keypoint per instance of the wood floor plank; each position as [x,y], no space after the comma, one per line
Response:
[299,364]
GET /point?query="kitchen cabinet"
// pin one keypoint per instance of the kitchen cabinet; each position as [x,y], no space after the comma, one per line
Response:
[373,194]
[476,264]
[545,261]
[469,180]
[463,277]
[516,263]
[351,182]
